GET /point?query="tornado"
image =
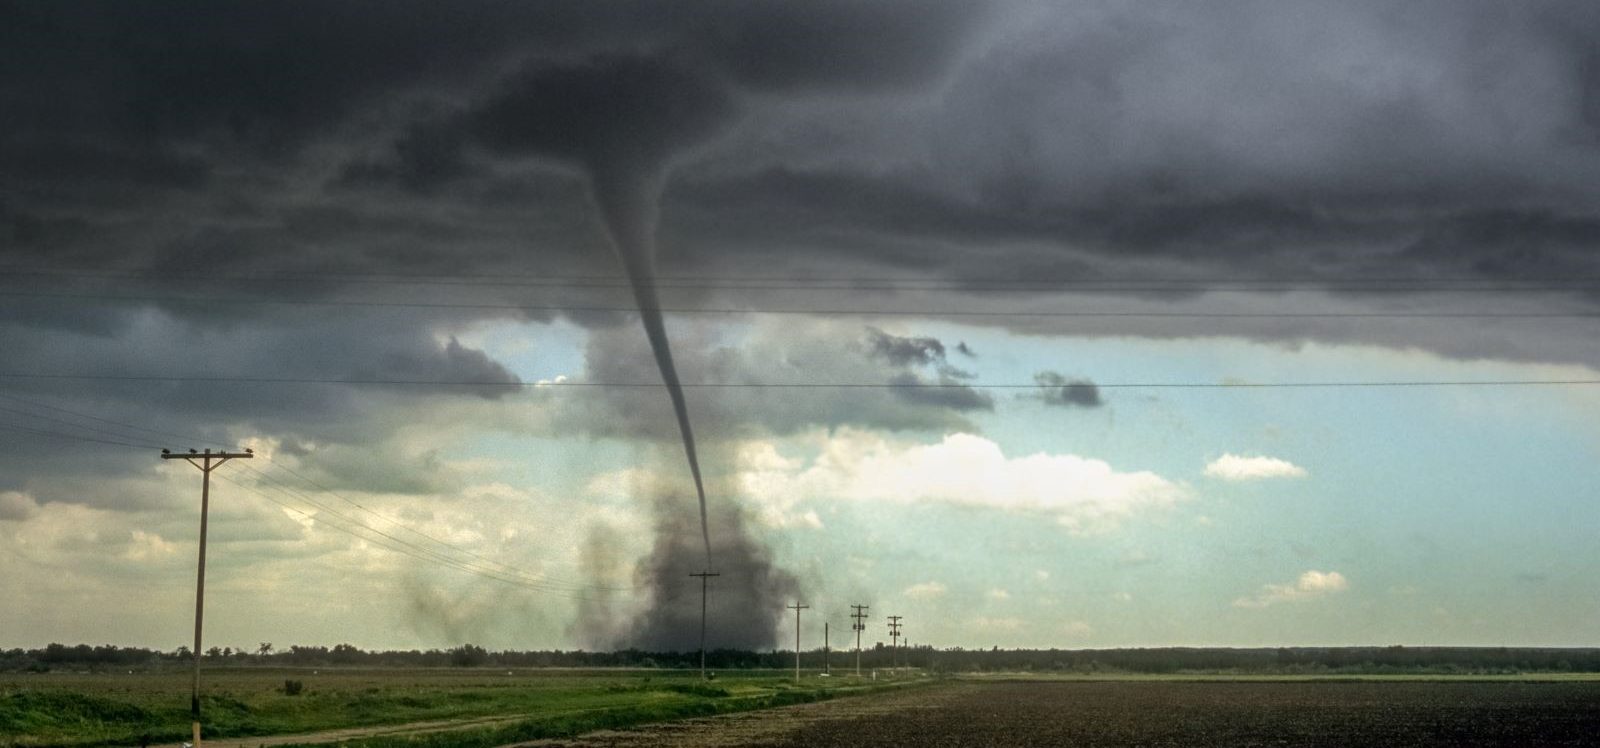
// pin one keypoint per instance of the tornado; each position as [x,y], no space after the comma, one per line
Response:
[621,120]
[628,206]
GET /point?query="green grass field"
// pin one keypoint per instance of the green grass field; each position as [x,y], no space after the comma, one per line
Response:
[121,708]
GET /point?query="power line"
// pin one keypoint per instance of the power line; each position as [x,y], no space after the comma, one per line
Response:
[1034,278]
[578,309]
[517,576]
[206,462]
[178,379]
[76,414]
[417,551]
[1015,285]
[323,521]
[504,568]
[859,615]
[59,435]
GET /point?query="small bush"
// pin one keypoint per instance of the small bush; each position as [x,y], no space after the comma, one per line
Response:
[293,687]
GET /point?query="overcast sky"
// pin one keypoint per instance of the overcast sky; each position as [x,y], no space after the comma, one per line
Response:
[376,244]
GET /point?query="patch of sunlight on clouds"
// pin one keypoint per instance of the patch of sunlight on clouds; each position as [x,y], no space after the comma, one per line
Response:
[1083,494]
[1010,625]
[925,591]
[1312,584]
[1232,467]
[1077,630]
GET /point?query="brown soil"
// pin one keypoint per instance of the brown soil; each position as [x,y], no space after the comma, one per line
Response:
[1157,714]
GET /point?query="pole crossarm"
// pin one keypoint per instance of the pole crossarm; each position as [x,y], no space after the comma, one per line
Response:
[208,460]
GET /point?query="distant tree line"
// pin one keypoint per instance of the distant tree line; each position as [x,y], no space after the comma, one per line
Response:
[1161,660]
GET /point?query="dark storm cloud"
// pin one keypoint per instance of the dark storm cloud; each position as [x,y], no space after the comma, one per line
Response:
[453,363]
[346,422]
[794,351]
[604,113]
[142,126]
[1060,390]
[958,141]
[944,392]
[904,351]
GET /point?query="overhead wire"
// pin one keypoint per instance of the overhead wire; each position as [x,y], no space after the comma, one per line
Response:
[521,576]
[1033,284]
[503,567]
[415,550]
[891,385]
[581,309]
[72,437]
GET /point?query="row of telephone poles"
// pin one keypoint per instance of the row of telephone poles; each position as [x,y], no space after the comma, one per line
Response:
[860,616]
[858,612]
[207,461]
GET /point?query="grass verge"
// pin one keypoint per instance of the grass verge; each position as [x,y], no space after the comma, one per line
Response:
[435,707]
[568,725]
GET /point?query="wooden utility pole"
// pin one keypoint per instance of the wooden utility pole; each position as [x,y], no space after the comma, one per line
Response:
[207,461]
[797,607]
[894,640]
[859,627]
[704,575]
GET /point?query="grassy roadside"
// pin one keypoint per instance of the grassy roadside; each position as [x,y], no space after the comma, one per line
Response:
[568,725]
[86,710]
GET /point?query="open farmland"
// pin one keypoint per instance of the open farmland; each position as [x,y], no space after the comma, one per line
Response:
[121,708]
[1150,712]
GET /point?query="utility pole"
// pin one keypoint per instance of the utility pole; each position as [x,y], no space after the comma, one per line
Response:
[859,627]
[827,654]
[894,640]
[703,576]
[797,607]
[207,461]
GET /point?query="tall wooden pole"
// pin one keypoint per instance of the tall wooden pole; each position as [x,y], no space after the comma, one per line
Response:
[797,607]
[206,461]
[859,627]
[703,576]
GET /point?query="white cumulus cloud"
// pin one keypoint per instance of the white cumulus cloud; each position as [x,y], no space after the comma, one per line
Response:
[1311,584]
[1077,630]
[1237,468]
[17,506]
[1081,493]
[1009,625]
[925,591]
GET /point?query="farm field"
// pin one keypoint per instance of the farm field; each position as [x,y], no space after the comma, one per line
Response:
[1151,712]
[122,708]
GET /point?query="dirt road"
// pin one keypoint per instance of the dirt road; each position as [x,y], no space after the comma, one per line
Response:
[1156,714]
[352,733]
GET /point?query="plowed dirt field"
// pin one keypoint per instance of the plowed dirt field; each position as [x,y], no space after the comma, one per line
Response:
[1153,713]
